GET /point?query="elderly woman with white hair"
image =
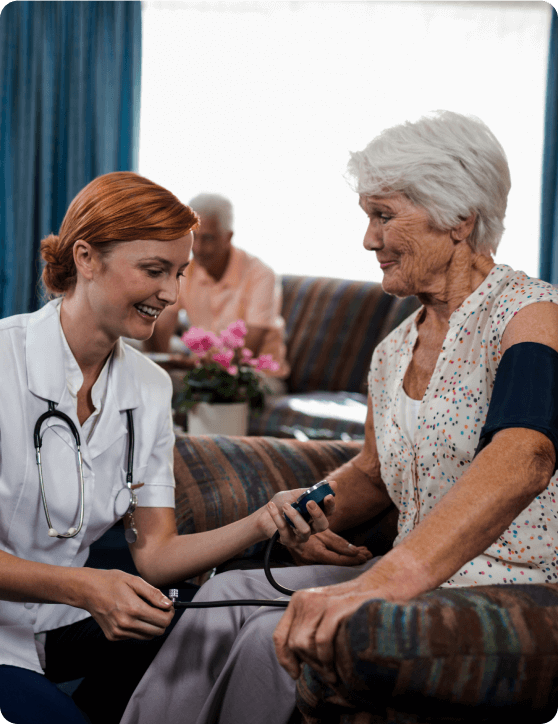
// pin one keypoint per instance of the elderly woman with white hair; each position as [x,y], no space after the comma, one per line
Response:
[461,436]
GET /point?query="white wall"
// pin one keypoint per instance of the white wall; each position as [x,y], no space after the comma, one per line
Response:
[262,102]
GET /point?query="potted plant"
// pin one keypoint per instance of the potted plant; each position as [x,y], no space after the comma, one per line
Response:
[224,383]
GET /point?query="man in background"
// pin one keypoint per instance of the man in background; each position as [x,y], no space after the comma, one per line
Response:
[223,284]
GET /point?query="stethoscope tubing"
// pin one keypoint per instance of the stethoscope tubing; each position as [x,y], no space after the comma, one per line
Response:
[267,566]
[239,602]
[248,601]
[38,441]
[131,437]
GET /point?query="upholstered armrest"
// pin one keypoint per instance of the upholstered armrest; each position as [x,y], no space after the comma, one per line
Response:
[488,653]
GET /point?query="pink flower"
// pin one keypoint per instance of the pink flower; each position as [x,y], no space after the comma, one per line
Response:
[224,358]
[238,328]
[233,369]
[200,341]
[228,339]
[233,335]
[245,355]
[266,362]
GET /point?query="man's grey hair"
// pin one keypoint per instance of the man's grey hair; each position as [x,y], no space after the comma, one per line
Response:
[447,163]
[216,206]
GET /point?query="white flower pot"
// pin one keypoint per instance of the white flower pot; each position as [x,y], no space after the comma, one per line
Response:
[221,418]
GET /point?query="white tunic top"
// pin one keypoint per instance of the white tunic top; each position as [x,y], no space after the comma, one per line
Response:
[33,372]
[419,471]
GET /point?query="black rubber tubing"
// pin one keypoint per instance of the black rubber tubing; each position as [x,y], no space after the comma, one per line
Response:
[247,601]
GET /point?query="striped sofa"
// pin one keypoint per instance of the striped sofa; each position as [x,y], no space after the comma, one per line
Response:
[468,655]
[332,327]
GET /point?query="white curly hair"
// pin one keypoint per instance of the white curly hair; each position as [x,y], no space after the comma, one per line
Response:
[447,163]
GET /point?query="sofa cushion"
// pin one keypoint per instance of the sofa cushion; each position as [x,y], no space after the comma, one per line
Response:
[332,328]
[318,415]
[488,653]
[221,479]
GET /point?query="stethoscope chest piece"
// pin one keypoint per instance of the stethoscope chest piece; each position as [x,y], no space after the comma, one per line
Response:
[131,535]
[125,502]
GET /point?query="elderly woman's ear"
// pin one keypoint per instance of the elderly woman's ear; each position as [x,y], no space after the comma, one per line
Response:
[464,229]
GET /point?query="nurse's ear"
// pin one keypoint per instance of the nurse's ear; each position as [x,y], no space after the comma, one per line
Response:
[86,259]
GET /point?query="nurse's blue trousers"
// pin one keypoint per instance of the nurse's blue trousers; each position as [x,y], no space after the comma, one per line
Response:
[110,670]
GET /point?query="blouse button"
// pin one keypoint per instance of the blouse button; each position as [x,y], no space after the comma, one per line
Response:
[29,605]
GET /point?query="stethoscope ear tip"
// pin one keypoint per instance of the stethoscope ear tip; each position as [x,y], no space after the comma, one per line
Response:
[53,533]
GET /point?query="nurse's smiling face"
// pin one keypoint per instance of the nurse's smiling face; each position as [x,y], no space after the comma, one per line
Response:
[129,287]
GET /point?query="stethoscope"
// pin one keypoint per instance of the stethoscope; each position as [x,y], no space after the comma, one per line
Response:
[126,500]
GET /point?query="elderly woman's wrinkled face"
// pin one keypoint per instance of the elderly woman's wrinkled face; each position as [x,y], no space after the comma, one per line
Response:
[413,255]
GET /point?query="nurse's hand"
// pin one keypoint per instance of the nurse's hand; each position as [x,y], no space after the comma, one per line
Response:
[273,517]
[125,606]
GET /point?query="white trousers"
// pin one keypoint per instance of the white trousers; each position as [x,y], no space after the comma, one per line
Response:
[219,666]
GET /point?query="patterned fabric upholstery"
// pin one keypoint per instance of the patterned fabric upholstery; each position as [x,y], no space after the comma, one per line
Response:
[484,654]
[333,326]
[221,479]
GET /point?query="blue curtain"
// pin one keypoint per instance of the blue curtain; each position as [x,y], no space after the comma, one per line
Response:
[549,205]
[70,92]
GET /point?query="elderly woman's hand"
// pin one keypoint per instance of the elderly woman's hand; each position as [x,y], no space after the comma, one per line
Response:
[331,549]
[306,632]
[273,517]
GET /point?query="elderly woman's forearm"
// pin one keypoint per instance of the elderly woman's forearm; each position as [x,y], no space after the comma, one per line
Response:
[360,494]
[499,484]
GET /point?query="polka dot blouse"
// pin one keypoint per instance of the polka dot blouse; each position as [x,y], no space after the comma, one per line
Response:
[418,472]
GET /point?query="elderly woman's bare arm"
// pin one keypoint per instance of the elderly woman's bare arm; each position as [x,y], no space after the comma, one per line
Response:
[360,495]
[512,470]
[500,483]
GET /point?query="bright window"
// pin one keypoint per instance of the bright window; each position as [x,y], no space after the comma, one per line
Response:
[262,102]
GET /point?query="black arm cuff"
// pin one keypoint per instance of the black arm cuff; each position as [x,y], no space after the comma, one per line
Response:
[525,393]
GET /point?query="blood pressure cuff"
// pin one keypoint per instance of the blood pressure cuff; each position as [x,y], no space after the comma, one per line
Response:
[525,393]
